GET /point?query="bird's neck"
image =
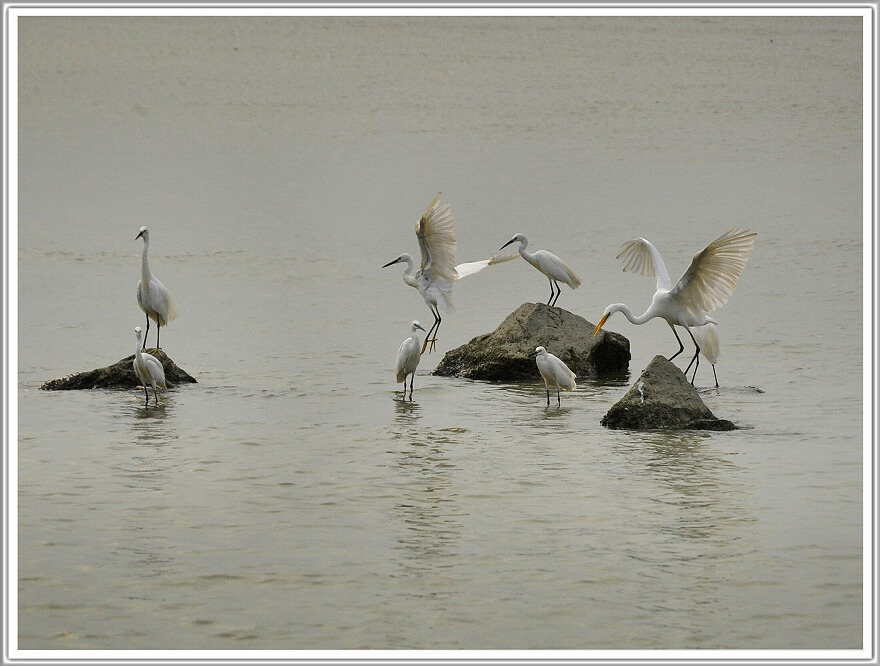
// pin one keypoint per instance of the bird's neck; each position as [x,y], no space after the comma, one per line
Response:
[640,319]
[145,262]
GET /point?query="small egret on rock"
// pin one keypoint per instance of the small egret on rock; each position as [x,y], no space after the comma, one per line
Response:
[550,265]
[705,286]
[554,372]
[408,357]
[148,369]
[436,233]
[152,295]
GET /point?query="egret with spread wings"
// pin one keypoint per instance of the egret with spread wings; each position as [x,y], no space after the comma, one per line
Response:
[436,233]
[705,286]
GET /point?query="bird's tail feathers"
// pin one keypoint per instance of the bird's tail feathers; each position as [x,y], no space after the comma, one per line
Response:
[707,337]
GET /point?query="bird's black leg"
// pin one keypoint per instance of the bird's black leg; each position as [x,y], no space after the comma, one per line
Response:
[434,329]
[558,401]
[412,378]
[146,333]
[554,283]
[695,358]
[548,396]
[552,292]
[156,396]
[680,345]
[716,375]
[147,396]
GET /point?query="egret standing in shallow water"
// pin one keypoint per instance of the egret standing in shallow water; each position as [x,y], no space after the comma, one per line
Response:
[554,373]
[408,357]
[710,346]
[152,295]
[550,265]
[436,233]
[705,286]
[148,369]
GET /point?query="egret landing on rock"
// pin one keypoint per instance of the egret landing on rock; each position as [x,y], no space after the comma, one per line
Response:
[148,370]
[554,372]
[550,265]
[408,357]
[705,286]
[436,234]
[152,295]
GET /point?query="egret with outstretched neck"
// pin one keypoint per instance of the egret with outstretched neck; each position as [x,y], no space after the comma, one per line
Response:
[408,356]
[435,231]
[148,370]
[152,296]
[706,285]
[554,372]
[550,265]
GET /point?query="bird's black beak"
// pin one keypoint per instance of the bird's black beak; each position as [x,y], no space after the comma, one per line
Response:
[533,354]
[139,235]
[507,243]
[391,263]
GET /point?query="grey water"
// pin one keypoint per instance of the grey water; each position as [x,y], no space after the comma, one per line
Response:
[292,499]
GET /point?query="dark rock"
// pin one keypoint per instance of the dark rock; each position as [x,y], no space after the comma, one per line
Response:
[662,397]
[503,355]
[120,375]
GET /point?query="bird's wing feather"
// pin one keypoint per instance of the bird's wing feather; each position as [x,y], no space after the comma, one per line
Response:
[436,233]
[472,267]
[714,271]
[640,256]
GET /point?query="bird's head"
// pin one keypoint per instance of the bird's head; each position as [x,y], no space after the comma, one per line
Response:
[394,261]
[538,351]
[519,237]
[137,332]
[416,325]
[144,232]
[610,310]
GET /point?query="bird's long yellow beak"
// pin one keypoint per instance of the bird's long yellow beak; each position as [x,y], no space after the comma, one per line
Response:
[601,324]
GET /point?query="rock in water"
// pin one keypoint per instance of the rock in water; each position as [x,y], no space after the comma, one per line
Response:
[663,398]
[503,355]
[120,375]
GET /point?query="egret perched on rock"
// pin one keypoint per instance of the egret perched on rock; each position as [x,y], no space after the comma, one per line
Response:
[550,265]
[710,346]
[148,369]
[408,357]
[554,372]
[436,233]
[705,286]
[152,295]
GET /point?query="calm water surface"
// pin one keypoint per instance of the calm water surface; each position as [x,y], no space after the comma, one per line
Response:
[291,499]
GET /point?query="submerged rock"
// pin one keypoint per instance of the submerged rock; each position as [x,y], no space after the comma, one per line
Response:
[503,355]
[662,397]
[120,375]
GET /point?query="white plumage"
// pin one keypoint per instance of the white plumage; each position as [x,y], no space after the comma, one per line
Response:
[710,346]
[706,285]
[554,372]
[550,265]
[408,356]
[148,369]
[435,232]
[152,296]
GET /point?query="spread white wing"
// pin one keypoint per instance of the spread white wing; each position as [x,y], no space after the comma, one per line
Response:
[436,234]
[640,256]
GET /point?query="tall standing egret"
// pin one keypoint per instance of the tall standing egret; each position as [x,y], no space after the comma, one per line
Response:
[408,357]
[705,286]
[148,369]
[554,372]
[710,346]
[550,265]
[436,233]
[152,295]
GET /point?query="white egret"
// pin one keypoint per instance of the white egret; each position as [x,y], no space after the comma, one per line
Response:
[152,295]
[710,346]
[148,369]
[554,373]
[436,233]
[705,286]
[408,357]
[550,265]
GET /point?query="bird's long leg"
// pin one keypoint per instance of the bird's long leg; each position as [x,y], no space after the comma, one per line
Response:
[695,358]
[158,328]
[147,396]
[558,401]
[412,378]
[558,291]
[714,373]
[680,345]
[145,336]
[434,328]
[156,396]
[552,292]
[548,395]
